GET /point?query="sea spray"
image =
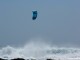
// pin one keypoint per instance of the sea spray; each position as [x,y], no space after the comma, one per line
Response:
[39,50]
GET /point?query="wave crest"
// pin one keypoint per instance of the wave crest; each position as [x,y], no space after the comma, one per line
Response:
[33,50]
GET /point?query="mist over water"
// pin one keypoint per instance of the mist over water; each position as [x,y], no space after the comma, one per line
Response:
[38,49]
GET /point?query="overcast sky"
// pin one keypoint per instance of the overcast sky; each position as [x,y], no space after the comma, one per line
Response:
[58,22]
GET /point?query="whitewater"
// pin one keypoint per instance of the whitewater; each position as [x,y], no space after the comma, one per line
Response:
[40,51]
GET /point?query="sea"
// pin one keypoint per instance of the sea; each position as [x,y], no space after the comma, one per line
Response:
[40,52]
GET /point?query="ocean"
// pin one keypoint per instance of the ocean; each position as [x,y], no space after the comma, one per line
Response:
[40,52]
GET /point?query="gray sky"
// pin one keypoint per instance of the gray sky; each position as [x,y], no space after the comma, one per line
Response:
[58,21]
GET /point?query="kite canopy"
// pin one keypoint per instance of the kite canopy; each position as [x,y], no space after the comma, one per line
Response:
[34,15]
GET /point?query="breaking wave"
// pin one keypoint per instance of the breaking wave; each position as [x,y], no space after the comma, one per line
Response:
[39,50]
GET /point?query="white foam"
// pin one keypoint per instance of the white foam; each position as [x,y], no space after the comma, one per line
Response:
[39,51]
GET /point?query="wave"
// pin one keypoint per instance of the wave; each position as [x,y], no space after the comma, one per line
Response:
[33,50]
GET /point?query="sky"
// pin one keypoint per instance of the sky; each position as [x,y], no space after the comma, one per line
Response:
[58,22]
